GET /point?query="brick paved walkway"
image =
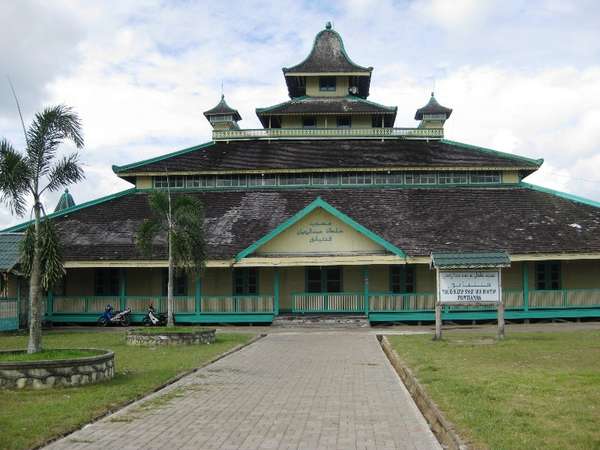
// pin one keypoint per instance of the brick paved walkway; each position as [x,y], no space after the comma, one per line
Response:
[286,391]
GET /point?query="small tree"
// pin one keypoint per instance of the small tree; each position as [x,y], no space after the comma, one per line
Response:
[182,220]
[26,176]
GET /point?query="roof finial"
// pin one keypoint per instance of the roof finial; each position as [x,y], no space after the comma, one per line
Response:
[328,26]
[222,92]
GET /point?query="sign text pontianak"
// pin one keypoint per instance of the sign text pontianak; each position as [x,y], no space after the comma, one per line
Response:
[469,287]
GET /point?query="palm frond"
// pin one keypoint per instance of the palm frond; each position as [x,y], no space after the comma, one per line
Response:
[145,236]
[51,265]
[14,178]
[159,204]
[66,171]
[50,128]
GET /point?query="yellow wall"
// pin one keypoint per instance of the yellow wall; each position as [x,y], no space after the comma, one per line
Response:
[80,282]
[510,176]
[143,182]
[146,281]
[581,274]
[217,281]
[291,281]
[341,88]
[425,278]
[299,238]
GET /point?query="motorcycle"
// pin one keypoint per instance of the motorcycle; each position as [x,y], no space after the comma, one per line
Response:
[111,317]
[154,319]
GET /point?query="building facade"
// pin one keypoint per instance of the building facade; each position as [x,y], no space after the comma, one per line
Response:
[331,209]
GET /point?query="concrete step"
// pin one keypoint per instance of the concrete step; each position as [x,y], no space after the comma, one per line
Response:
[320,321]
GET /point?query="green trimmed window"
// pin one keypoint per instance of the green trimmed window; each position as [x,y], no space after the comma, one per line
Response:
[245,281]
[327,84]
[548,275]
[106,282]
[402,279]
[323,279]
[180,283]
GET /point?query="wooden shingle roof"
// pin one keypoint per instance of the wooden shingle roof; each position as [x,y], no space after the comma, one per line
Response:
[282,155]
[518,220]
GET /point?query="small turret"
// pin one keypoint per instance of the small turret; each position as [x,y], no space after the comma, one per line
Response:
[65,201]
[432,115]
[223,117]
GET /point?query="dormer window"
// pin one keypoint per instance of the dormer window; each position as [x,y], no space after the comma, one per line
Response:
[344,121]
[327,84]
[309,122]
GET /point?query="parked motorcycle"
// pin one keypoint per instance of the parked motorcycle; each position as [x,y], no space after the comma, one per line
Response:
[153,318]
[111,317]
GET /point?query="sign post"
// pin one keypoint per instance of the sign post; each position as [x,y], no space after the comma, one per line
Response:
[468,288]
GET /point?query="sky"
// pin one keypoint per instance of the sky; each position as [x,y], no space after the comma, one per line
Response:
[522,76]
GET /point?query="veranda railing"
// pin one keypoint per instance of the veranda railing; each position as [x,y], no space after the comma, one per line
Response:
[328,302]
[182,304]
[9,313]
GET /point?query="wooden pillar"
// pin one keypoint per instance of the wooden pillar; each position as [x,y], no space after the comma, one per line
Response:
[438,322]
[500,308]
[438,308]
[366,289]
[122,289]
[276,287]
[198,295]
[500,321]
[525,285]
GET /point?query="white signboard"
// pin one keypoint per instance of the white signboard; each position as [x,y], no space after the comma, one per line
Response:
[469,287]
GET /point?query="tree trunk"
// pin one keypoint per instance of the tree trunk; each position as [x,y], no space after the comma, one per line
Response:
[170,301]
[35,295]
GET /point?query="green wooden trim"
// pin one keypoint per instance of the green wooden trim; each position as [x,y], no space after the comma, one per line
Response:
[120,169]
[66,211]
[198,295]
[50,303]
[537,162]
[320,203]
[276,288]
[574,198]
[525,285]
[122,288]
[366,288]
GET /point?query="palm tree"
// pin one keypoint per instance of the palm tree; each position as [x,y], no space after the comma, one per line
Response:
[182,219]
[26,176]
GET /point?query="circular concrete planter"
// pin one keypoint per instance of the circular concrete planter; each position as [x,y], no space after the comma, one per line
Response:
[136,337]
[54,373]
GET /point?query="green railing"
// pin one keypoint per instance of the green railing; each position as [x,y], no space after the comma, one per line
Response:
[389,301]
[564,298]
[9,314]
[328,302]
[182,304]
[273,133]
[237,304]
[513,299]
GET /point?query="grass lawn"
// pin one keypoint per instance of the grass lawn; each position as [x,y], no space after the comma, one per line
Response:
[28,418]
[531,391]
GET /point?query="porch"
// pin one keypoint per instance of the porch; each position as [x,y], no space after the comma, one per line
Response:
[383,293]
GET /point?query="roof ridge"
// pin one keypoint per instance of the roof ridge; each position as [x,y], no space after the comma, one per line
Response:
[539,161]
[117,169]
[565,195]
[66,211]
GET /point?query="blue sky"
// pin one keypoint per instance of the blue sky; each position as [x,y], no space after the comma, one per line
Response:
[522,76]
